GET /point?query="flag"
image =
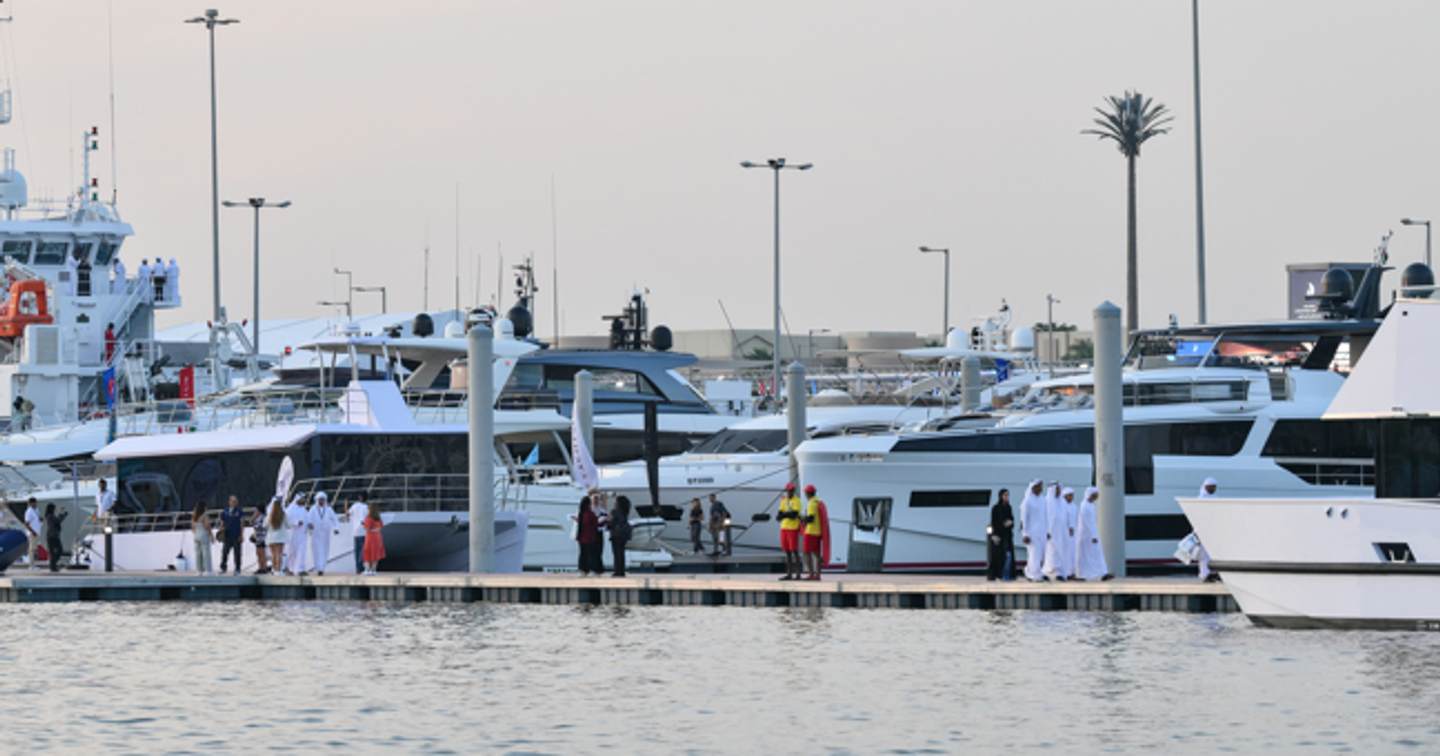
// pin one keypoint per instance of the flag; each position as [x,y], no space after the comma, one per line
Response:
[582,465]
[533,458]
[107,380]
[187,384]
[1002,371]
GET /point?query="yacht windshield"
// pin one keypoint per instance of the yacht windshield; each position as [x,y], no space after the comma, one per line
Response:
[742,442]
[1154,351]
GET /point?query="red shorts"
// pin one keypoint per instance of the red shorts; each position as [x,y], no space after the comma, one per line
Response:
[790,540]
[812,543]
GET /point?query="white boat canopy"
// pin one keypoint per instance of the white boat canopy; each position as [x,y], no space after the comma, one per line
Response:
[1397,374]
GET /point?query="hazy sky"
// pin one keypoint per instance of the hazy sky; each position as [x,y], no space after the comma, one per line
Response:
[943,123]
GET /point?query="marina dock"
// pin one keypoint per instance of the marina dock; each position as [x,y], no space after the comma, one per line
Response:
[835,591]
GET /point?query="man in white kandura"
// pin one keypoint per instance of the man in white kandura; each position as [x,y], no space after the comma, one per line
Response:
[1089,554]
[1060,547]
[356,515]
[323,524]
[1207,490]
[296,515]
[1033,530]
[172,282]
[117,285]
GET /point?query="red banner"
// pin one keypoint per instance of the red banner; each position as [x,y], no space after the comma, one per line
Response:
[187,384]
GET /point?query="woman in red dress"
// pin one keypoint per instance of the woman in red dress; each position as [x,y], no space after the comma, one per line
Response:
[374,549]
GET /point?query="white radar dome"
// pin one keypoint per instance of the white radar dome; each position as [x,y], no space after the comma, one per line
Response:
[454,330]
[1023,340]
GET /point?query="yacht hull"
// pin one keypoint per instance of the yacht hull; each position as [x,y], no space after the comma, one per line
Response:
[1326,563]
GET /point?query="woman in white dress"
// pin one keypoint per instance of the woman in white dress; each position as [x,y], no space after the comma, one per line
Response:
[278,535]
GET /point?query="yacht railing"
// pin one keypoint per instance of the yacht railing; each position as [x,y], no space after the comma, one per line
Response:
[401,492]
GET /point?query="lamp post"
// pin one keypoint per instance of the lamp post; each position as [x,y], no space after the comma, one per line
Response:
[810,338]
[1426,224]
[1199,163]
[345,304]
[384,308]
[1050,302]
[212,19]
[776,165]
[258,203]
[349,290]
[945,329]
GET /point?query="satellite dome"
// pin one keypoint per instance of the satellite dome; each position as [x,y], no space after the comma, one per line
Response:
[454,330]
[957,340]
[505,328]
[1419,276]
[520,321]
[1023,340]
[423,326]
[1337,285]
[661,338]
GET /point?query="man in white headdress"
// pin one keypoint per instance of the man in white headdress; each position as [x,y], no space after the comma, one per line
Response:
[297,516]
[1089,554]
[172,282]
[117,285]
[1033,530]
[72,275]
[1207,490]
[322,524]
[142,278]
[1060,547]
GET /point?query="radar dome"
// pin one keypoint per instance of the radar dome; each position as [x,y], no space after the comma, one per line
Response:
[661,338]
[13,191]
[423,326]
[504,328]
[1337,285]
[1419,276]
[454,330]
[1023,340]
[957,340]
[520,321]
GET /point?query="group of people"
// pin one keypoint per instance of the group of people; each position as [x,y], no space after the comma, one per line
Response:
[1061,535]
[161,281]
[596,516]
[284,535]
[718,525]
[804,534]
[46,529]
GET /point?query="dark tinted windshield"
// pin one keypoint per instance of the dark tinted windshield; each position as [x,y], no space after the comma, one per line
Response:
[742,441]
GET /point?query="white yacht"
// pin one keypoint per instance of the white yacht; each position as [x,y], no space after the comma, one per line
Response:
[1356,561]
[1238,402]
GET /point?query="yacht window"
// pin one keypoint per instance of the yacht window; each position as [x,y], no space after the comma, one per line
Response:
[1156,527]
[81,252]
[1152,351]
[1260,351]
[1326,439]
[1204,439]
[19,251]
[202,485]
[105,252]
[743,442]
[562,378]
[51,253]
[1407,459]
[971,498]
[526,376]
[1185,392]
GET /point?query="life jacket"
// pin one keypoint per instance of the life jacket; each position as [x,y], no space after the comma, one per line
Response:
[789,513]
[814,521]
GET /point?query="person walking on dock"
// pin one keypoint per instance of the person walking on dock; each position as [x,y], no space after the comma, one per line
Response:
[1000,561]
[789,516]
[204,539]
[259,531]
[1207,490]
[232,526]
[1089,553]
[295,548]
[1034,530]
[356,515]
[817,534]
[323,524]
[1059,547]
[697,518]
[374,551]
[32,531]
[588,535]
[719,527]
[277,537]
[619,534]
[53,543]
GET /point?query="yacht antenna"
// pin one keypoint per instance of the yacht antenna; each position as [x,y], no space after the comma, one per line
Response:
[499,275]
[457,249]
[554,268]
[110,52]
[425,287]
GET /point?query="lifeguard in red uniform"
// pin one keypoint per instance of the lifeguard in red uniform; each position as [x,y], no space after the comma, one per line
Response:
[789,517]
[817,534]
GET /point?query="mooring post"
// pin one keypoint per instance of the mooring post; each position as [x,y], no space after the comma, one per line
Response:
[970,383]
[481,373]
[1110,435]
[795,415]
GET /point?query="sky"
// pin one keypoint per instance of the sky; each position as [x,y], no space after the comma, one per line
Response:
[951,124]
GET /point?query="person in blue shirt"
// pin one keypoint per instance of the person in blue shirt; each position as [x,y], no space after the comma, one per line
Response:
[232,526]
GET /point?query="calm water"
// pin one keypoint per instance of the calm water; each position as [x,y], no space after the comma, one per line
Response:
[310,676]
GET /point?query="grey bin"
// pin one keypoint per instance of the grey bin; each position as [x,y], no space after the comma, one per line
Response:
[870,524]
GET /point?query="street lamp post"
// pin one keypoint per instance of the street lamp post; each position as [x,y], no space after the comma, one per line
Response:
[776,165]
[1426,224]
[810,338]
[1050,302]
[945,329]
[345,304]
[212,19]
[383,304]
[258,203]
[349,290]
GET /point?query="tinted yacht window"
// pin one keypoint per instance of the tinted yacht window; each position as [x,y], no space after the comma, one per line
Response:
[1334,439]
[742,442]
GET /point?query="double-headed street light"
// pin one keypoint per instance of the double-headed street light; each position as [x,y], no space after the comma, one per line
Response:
[212,19]
[258,203]
[944,329]
[1426,224]
[381,289]
[349,290]
[776,165]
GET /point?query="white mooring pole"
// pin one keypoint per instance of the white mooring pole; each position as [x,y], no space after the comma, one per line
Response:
[795,414]
[481,350]
[1110,435]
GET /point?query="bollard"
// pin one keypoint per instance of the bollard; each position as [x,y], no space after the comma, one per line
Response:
[970,384]
[583,407]
[1110,435]
[481,404]
[109,547]
[795,415]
